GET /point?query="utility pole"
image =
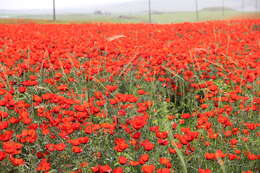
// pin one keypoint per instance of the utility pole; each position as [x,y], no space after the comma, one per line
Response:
[197,9]
[149,11]
[54,11]
[223,8]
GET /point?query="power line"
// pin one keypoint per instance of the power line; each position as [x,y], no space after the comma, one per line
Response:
[197,9]
[223,8]
[54,11]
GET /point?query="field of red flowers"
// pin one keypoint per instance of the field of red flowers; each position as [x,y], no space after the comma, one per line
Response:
[114,98]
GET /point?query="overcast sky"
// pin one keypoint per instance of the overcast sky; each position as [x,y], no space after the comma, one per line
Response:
[47,4]
[174,5]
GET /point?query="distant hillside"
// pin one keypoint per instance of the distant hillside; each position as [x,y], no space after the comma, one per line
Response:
[139,6]
[169,6]
[217,9]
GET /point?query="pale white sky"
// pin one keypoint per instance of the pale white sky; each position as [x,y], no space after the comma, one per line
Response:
[175,5]
[47,4]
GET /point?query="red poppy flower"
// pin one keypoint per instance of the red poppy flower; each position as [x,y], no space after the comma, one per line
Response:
[164,170]
[148,168]
[2,155]
[147,145]
[138,122]
[44,165]
[143,159]
[204,170]
[77,149]
[118,170]
[122,160]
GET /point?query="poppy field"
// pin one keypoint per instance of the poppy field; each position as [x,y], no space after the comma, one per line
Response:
[130,98]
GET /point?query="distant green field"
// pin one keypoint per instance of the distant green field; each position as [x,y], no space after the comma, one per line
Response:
[170,17]
[83,18]
[177,17]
